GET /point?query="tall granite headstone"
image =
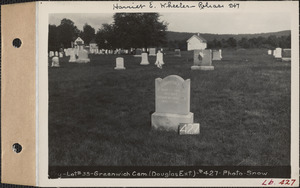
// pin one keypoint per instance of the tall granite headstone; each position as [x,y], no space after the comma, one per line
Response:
[202,60]
[172,103]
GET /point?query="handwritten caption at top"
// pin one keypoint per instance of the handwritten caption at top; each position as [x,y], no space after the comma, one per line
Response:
[174,5]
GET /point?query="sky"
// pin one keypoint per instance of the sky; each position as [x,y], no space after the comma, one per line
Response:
[214,23]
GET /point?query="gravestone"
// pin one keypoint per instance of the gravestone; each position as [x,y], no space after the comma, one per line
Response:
[278,53]
[172,103]
[83,57]
[55,62]
[120,63]
[274,53]
[51,54]
[152,52]
[159,59]
[144,59]
[220,53]
[216,55]
[286,55]
[56,53]
[61,55]
[72,56]
[269,52]
[138,53]
[202,60]
[177,53]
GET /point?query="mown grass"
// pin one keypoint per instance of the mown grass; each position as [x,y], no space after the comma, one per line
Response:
[101,116]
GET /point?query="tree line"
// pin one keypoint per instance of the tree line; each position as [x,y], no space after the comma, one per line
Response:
[129,30]
[144,30]
[270,42]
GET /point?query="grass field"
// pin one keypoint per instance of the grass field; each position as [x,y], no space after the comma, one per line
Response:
[101,116]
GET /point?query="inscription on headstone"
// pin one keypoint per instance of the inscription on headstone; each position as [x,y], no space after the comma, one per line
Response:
[172,95]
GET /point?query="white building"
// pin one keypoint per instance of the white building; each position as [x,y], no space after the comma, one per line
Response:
[93,46]
[78,43]
[196,42]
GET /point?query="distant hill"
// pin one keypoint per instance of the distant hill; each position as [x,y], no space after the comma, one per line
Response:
[171,36]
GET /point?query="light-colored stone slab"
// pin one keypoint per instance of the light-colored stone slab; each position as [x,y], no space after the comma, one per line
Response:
[152,52]
[216,55]
[278,53]
[82,57]
[189,128]
[269,52]
[144,59]
[61,55]
[202,60]
[56,53]
[72,56]
[51,54]
[170,122]
[55,62]
[120,63]
[172,95]
[172,103]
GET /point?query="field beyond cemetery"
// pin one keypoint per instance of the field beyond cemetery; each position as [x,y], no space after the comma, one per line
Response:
[101,116]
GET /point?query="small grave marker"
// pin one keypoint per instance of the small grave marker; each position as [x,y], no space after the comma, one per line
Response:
[188,128]
[120,63]
[144,59]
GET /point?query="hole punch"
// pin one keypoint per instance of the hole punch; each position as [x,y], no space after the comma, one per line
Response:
[17,147]
[17,43]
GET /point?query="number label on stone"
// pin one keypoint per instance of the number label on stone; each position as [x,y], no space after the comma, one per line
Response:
[189,128]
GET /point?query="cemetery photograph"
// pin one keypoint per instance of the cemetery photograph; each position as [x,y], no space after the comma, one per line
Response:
[169,89]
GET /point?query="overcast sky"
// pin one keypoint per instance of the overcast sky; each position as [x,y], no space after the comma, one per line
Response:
[217,23]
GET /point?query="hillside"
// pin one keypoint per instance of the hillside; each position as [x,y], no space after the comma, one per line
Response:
[171,36]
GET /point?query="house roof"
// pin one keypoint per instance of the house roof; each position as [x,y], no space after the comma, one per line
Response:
[78,39]
[201,39]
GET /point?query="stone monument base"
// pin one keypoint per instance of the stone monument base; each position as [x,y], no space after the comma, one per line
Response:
[170,122]
[202,67]
[120,68]
[137,55]
[82,60]
[144,63]
[286,59]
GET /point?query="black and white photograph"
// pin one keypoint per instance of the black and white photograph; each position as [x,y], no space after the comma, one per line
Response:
[169,94]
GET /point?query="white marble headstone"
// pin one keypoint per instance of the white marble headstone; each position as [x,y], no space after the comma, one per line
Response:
[159,59]
[144,59]
[152,52]
[55,62]
[120,63]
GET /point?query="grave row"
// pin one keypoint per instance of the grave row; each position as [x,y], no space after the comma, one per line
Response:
[279,53]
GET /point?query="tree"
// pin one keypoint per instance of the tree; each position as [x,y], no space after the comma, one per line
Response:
[67,32]
[139,30]
[105,37]
[231,42]
[53,39]
[87,34]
